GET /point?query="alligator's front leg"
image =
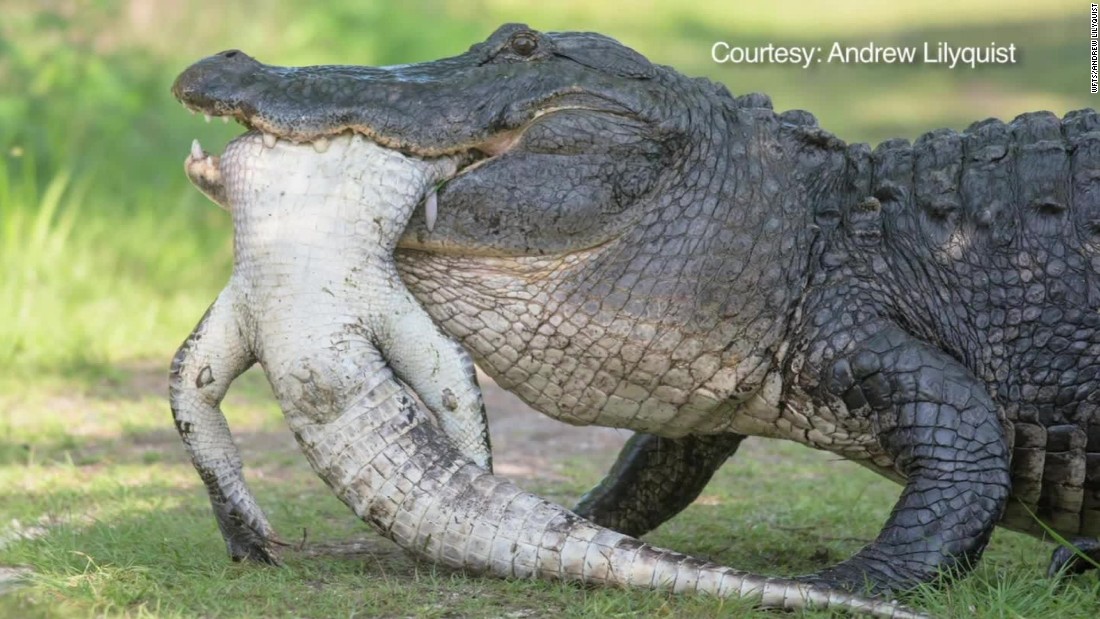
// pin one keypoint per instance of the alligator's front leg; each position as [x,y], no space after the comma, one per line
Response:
[207,362]
[1082,555]
[654,479]
[943,430]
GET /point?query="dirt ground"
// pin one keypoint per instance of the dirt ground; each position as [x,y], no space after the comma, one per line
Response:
[527,443]
[527,446]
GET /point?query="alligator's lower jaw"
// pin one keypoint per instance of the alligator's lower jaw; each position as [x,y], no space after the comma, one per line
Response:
[205,173]
[205,169]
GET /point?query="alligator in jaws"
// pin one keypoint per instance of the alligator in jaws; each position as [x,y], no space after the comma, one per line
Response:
[624,246]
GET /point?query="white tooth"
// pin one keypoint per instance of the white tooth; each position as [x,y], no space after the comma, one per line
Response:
[206,117]
[431,210]
[270,140]
[320,145]
[196,150]
[225,120]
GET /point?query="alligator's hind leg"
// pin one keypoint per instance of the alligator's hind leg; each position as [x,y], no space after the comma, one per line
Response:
[440,371]
[1065,561]
[654,479]
[202,370]
[943,430]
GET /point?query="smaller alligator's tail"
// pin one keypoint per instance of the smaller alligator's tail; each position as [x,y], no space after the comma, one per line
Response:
[399,473]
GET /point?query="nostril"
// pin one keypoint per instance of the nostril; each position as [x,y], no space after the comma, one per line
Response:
[230,54]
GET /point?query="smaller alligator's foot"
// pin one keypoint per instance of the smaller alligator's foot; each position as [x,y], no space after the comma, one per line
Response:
[248,536]
[1066,561]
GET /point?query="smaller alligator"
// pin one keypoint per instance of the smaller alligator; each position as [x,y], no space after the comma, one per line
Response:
[315,298]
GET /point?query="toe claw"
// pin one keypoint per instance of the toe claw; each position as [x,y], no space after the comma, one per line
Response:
[254,551]
[1082,556]
[248,536]
[246,545]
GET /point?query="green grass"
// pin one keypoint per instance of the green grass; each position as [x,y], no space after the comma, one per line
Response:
[122,527]
[108,257]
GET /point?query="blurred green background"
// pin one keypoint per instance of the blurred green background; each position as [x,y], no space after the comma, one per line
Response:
[108,256]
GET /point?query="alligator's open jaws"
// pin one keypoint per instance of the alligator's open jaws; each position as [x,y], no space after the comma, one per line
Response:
[625,246]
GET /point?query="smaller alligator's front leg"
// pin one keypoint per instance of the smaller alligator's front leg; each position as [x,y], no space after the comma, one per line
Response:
[211,358]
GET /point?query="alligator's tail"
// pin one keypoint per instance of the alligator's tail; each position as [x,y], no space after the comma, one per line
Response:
[400,474]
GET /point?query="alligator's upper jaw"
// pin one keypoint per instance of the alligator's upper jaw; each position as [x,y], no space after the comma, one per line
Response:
[520,110]
[479,100]
[312,104]
[276,101]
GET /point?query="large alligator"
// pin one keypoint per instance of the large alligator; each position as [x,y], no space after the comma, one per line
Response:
[625,246]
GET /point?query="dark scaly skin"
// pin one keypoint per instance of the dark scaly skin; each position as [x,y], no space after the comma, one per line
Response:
[1081,556]
[654,479]
[641,250]
[944,434]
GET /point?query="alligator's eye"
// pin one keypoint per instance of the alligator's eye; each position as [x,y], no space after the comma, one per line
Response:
[524,44]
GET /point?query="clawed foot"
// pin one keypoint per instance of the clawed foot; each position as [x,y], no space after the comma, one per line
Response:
[1066,561]
[248,536]
[849,580]
[874,577]
[608,519]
